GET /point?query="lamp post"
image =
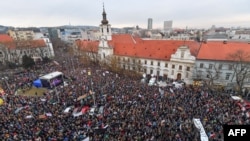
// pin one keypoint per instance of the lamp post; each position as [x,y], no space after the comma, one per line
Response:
[5,79]
[72,64]
[92,93]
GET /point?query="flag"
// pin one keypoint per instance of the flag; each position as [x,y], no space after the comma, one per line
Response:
[18,109]
[56,63]
[67,110]
[171,90]
[86,139]
[48,114]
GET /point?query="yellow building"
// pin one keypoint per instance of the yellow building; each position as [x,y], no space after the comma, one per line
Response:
[21,34]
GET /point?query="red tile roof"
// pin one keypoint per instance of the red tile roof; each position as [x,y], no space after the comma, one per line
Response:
[10,43]
[5,38]
[89,46]
[7,41]
[31,43]
[215,50]
[126,45]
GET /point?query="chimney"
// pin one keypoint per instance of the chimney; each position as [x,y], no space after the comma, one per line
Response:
[225,42]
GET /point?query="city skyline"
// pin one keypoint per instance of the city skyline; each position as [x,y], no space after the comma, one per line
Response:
[183,13]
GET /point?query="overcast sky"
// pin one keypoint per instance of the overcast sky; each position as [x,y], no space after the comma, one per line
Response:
[126,13]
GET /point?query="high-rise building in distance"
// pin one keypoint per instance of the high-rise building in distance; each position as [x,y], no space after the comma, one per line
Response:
[168,25]
[150,23]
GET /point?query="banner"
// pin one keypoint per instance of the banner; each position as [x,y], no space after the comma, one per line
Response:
[200,127]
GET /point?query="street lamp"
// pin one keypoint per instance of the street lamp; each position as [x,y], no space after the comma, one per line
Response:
[5,79]
[92,92]
[72,64]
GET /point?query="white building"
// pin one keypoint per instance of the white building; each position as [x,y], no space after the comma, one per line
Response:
[13,51]
[175,59]
[219,62]
[168,25]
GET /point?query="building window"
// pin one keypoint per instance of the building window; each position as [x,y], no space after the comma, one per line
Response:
[134,61]
[230,67]
[172,73]
[186,74]
[128,60]
[133,68]
[145,70]
[173,66]
[188,68]
[158,73]
[124,60]
[124,67]
[152,63]
[151,71]
[1,54]
[220,66]
[166,65]
[128,67]
[145,62]
[180,67]
[159,64]
[201,65]
[139,61]
[210,66]
[228,76]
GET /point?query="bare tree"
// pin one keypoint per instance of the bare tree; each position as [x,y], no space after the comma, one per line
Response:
[112,63]
[241,68]
[87,51]
[213,73]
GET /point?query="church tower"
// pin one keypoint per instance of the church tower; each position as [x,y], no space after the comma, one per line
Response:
[104,49]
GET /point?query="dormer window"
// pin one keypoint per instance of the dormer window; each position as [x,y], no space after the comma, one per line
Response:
[182,54]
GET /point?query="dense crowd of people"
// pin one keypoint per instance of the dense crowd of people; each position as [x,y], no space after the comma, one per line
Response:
[133,111]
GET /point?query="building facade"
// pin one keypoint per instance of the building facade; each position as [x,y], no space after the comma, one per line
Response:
[185,60]
[168,25]
[17,34]
[13,51]
[150,23]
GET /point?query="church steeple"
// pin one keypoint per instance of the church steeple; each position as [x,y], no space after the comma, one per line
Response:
[105,27]
[104,16]
[104,50]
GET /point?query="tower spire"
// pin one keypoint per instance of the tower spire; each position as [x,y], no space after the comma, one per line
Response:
[104,16]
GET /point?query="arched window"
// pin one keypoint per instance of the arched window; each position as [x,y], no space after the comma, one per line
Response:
[1,54]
